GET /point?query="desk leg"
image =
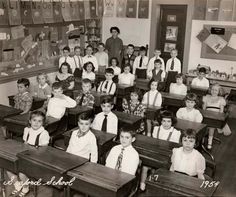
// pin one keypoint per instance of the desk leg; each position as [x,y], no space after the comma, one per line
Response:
[35,191]
[206,151]
[3,191]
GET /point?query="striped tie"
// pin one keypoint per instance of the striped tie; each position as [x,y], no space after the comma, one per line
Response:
[119,160]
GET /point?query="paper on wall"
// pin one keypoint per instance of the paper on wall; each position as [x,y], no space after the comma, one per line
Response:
[3,36]
[232,42]
[215,42]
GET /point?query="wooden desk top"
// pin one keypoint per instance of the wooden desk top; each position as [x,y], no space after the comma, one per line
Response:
[23,119]
[185,124]
[127,118]
[182,184]
[99,179]
[213,115]
[172,96]
[101,137]
[53,158]
[78,110]
[10,148]
[6,111]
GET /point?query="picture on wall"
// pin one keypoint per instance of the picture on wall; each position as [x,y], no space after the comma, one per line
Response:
[171,33]
[169,46]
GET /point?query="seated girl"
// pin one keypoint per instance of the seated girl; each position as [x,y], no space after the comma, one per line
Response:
[178,87]
[126,78]
[186,159]
[88,71]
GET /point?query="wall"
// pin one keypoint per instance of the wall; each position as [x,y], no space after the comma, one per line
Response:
[195,49]
[9,89]
[133,30]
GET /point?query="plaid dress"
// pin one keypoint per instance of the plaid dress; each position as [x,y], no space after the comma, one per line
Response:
[23,101]
[88,99]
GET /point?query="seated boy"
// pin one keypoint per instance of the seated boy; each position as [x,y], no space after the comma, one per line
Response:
[85,98]
[141,61]
[59,102]
[83,142]
[201,80]
[130,56]
[23,100]
[89,57]
[68,59]
[108,86]
[106,120]
[124,157]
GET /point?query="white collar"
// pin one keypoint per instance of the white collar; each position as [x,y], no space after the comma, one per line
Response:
[170,129]
[44,86]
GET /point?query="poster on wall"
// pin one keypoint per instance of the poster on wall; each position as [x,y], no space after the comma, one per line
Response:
[65,10]
[3,12]
[14,12]
[109,8]
[74,9]
[100,8]
[93,9]
[131,8]
[143,9]
[87,9]
[57,15]
[121,8]
[169,47]
[47,10]
[171,33]
[26,14]
[215,42]
[81,10]
[36,6]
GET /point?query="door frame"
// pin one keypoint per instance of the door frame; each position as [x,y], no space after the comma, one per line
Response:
[155,19]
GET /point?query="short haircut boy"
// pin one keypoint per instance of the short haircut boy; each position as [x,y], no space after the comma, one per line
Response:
[66,48]
[101,44]
[108,99]
[57,85]
[179,75]
[158,61]
[142,48]
[109,70]
[89,46]
[202,70]
[127,65]
[87,81]
[128,129]
[115,28]
[76,47]
[131,45]
[86,116]
[24,81]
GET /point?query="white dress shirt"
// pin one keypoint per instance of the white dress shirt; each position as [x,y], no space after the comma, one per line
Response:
[43,138]
[151,63]
[87,75]
[91,58]
[130,160]
[102,58]
[163,74]
[204,83]
[111,87]
[72,61]
[163,134]
[79,61]
[177,65]
[178,89]
[57,106]
[137,61]
[194,115]
[152,95]
[189,163]
[126,79]
[112,122]
[116,69]
[85,146]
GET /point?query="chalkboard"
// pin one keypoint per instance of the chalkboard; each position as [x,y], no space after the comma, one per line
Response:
[227,53]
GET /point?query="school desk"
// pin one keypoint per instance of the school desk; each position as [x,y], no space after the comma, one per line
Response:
[200,91]
[104,142]
[47,163]
[16,124]
[97,180]
[151,111]
[37,102]
[8,160]
[128,119]
[6,111]
[170,99]
[142,84]
[123,90]
[175,184]
[214,119]
[154,152]
[73,114]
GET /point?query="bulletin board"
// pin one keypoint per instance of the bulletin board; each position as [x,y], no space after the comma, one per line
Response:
[227,53]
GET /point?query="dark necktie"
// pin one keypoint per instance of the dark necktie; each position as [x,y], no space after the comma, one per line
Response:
[80,65]
[81,99]
[140,62]
[104,124]
[172,64]
[119,160]
[106,84]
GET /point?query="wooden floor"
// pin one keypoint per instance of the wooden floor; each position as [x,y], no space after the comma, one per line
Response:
[225,155]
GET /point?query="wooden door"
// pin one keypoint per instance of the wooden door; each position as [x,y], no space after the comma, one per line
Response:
[171,31]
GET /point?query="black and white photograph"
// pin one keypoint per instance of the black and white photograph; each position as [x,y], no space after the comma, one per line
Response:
[117,98]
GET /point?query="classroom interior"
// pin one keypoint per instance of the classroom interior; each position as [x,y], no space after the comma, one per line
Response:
[141,23]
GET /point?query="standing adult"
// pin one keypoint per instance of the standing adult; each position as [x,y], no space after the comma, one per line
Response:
[114,44]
